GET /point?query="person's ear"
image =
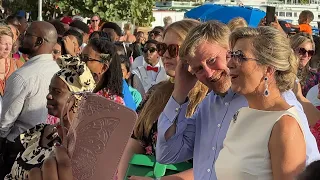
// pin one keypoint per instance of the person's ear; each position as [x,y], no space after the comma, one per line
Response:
[39,42]
[269,72]
[105,68]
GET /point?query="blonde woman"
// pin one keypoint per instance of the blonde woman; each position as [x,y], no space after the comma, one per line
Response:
[7,64]
[265,140]
[237,22]
[304,48]
[144,137]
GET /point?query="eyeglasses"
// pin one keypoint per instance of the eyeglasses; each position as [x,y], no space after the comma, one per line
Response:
[56,51]
[173,49]
[86,58]
[303,51]
[238,56]
[94,20]
[155,33]
[151,49]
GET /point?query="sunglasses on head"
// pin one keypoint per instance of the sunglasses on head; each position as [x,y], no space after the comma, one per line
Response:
[86,58]
[173,49]
[238,55]
[151,49]
[303,51]
[156,33]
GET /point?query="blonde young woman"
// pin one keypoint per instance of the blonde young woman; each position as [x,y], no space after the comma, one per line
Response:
[304,48]
[265,140]
[237,22]
[144,137]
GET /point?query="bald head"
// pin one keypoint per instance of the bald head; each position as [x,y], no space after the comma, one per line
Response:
[45,30]
[40,38]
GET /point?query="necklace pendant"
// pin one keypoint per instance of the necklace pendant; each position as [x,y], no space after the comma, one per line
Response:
[235,116]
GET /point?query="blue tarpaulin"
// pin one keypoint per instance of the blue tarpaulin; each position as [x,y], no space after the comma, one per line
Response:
[226,13]
[197,12]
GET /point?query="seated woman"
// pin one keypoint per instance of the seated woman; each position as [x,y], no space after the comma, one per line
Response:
[104,64]
[74,76]
[144,137]
[265,140]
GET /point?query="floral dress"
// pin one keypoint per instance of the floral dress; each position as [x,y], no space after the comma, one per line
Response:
[105,93]
[312,80]
[315,130]
[149,143]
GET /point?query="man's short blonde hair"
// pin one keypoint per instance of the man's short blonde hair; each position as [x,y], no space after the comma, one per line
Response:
[211,31]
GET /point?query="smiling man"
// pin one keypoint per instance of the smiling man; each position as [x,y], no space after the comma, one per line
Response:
[205,54]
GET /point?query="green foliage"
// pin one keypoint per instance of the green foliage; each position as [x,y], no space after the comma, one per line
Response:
[138,12]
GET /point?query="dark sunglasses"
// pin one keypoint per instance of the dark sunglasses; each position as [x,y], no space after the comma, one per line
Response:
[151,49]
[86,58]
[26,34]
[173,49]
[303,51]
[155,33]
[94,20]
[238,56]
[56,51]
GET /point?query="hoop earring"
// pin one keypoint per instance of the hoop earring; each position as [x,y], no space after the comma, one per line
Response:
[266,91]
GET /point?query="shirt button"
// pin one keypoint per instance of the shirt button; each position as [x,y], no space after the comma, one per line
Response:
[208,170]
[213,148]
[219,125]
[177,109]
[226,103]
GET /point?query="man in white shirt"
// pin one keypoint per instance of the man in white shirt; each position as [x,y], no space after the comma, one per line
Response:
[155,34]
[24,100]
[152,71]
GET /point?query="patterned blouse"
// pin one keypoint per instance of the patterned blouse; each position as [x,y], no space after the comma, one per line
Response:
[312,80]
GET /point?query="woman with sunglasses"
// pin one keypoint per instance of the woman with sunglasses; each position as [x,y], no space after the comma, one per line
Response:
[144,137]
[103,61]
[152,72]
[303,46]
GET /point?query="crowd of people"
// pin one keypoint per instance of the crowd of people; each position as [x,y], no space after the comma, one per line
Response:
[236,101]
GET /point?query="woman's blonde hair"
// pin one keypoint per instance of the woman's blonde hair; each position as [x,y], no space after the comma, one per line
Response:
[237,22]
[162,92]
[295,42]
[271,48]
[300,38]
[6,30]
[157,102]
[181,28]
